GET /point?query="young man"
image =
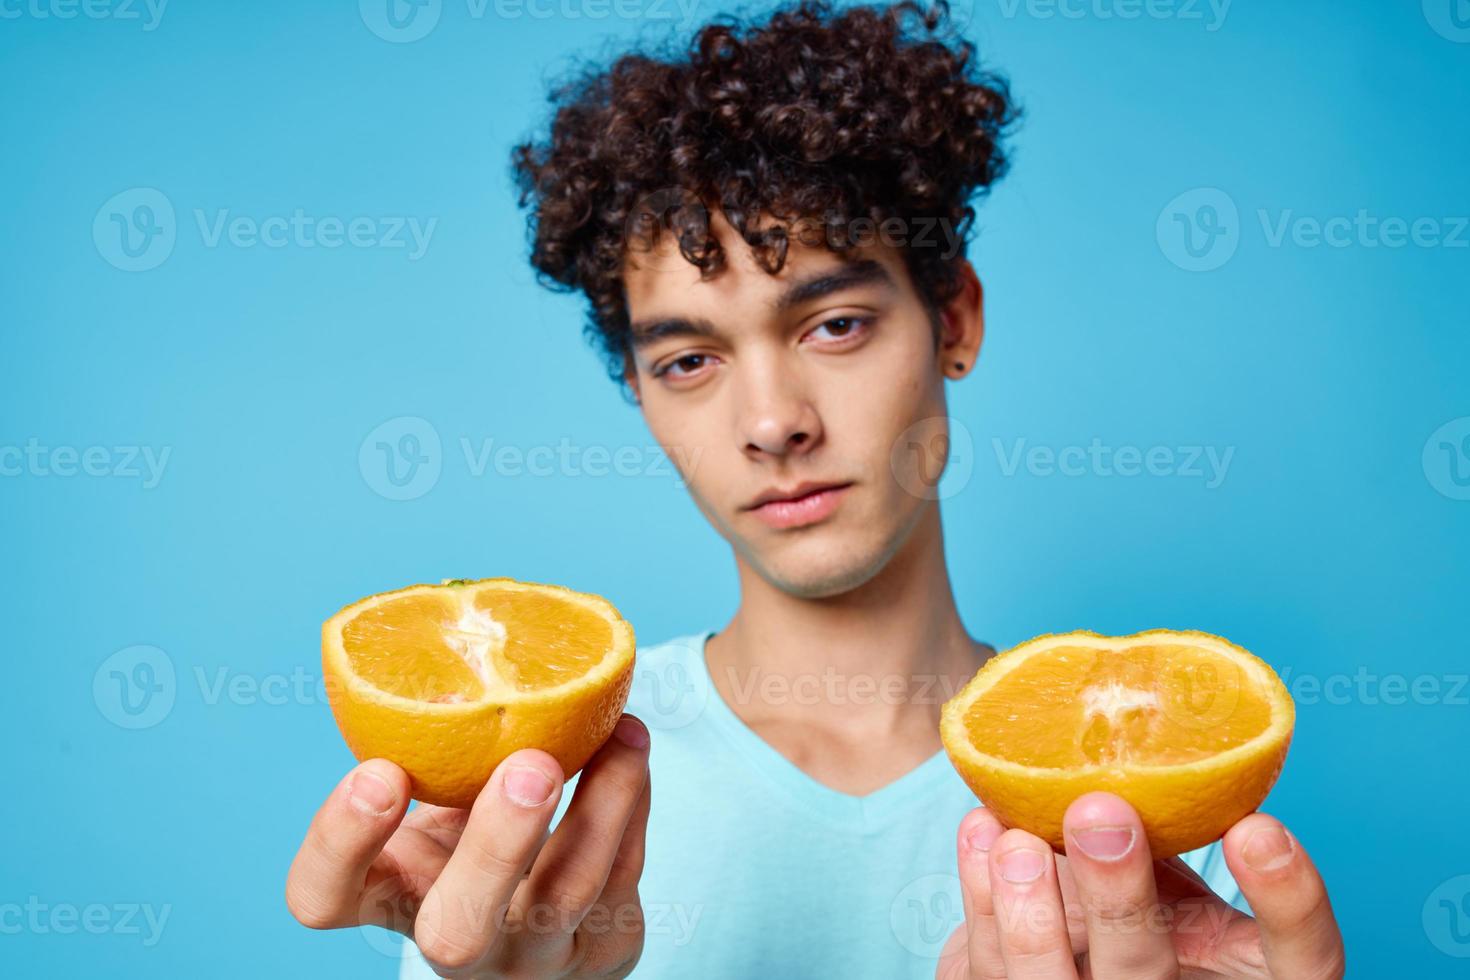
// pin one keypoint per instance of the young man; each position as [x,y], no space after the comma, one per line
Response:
[712,208]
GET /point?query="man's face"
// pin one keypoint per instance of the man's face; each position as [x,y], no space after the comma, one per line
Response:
[794,389]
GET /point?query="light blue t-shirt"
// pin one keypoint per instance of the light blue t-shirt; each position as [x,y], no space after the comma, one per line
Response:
[754,869]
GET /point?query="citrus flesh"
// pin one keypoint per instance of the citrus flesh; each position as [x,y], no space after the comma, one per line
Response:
[447,680]
[1187,727]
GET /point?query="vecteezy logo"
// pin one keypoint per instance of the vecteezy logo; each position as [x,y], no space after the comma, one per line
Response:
[400,21]
[1200,694]
[1199,230]
[135,230]
[1446,917]
[1446,459]
[401,458]
[930,449]
[925,912]
[1449,18]
[135,687]
[667,695]
[390,904]
[676,207]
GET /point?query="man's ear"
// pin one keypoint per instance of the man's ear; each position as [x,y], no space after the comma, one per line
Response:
[962,325]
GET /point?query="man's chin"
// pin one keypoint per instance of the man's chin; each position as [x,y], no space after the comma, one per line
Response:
[817,569]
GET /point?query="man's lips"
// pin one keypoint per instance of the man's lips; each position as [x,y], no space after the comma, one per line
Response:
[804,504]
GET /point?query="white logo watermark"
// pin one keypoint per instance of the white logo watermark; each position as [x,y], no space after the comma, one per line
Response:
[135,688]
[406,21]
[925,912]
[1209,464]
[403,458]
[1201,229]
[1210,14]
[1446,917]
[1446,459]
[147,12]
[934,458]
[1449,18]
[136,230]
[1365,687]
[41,918]
[34,459]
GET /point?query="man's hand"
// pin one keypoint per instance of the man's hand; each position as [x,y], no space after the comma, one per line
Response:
[1107,911]
[485,892]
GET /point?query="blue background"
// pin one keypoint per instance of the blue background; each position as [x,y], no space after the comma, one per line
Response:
[1335,546]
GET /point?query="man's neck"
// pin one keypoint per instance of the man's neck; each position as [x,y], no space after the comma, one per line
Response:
[876,662]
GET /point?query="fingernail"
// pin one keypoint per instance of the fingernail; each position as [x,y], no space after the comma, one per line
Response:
[983,835]
[1267,849]
[527,787]
[631,733]
[371,794]
[1021,866]
[1104,843]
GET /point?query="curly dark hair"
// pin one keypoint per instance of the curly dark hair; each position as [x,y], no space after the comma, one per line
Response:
[816,118]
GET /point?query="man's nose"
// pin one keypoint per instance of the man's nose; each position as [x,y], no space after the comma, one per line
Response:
[776,418]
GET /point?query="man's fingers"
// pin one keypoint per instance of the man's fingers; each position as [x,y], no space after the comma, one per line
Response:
[978,833]
[1127,934]
[627,865]
[325,884]
[614,929]
[460,918]
[1298,930]
[574,866]
[1028,909]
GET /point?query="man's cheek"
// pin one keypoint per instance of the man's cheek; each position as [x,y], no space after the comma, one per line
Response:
[718,514]
[685,461]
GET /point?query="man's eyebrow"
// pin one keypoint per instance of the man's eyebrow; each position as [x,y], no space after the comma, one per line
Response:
[864,272]
[646,332]
[643,333]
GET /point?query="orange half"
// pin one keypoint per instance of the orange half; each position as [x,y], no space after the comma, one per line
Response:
[1187,727]
[447,680]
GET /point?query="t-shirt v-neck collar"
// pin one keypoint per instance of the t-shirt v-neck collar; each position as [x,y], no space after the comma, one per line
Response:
[911,790]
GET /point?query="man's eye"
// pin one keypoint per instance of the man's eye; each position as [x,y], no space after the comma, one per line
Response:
[841,327]
[681,366]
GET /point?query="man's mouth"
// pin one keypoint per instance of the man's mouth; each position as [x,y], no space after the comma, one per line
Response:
[806,503]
